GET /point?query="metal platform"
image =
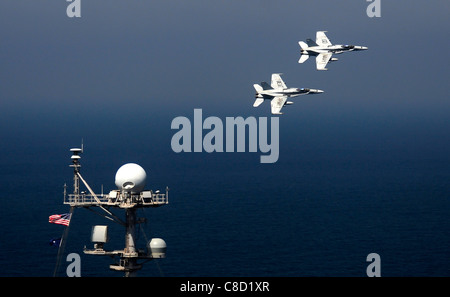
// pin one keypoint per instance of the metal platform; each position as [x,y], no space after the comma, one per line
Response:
[118,199]
[140,254]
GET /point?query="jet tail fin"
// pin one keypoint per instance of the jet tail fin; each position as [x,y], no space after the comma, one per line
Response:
[304,51]
[259,98]
[311,42]
[265,86]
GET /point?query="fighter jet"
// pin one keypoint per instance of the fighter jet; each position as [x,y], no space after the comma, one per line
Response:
[322,49]
[278,93]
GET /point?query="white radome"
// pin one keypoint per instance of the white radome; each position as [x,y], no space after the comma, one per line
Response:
[157,247]
[157,243]
[131,177]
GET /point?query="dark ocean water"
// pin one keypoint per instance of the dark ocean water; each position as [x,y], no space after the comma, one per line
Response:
[319,211]
[341,189]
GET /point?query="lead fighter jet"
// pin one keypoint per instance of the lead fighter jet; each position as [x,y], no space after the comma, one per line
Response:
[278,93]
[322,49]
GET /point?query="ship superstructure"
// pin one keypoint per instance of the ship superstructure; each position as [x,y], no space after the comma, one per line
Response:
[130,196]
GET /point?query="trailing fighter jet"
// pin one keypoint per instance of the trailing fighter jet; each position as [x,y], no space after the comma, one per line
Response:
[278,93]
[322,49]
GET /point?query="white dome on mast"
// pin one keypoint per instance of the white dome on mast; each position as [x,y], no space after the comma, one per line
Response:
[131,178]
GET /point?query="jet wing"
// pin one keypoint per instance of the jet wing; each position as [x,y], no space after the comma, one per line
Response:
[277,104]
[277,82]
[322,39]
[322,60]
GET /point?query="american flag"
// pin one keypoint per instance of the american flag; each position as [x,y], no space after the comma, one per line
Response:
[62,219]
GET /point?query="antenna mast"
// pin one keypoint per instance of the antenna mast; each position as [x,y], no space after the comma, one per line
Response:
[130,196]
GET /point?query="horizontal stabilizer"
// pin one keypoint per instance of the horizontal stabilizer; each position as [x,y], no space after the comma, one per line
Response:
[258,102]
[258,88]
[303,58]
[303,45]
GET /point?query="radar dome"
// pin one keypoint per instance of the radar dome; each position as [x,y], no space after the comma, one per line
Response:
[131,177]
[157,247]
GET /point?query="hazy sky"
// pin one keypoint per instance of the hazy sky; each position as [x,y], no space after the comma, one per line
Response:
[127,64]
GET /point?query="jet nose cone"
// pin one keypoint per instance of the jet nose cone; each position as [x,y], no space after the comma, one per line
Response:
[362,48]
[314,91]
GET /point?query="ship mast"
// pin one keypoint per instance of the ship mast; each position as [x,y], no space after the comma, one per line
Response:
[130,196]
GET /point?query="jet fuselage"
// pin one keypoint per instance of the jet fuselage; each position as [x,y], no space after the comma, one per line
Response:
[335,49]
[290,92]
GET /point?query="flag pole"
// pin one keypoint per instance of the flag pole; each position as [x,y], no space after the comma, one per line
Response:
[62,244]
